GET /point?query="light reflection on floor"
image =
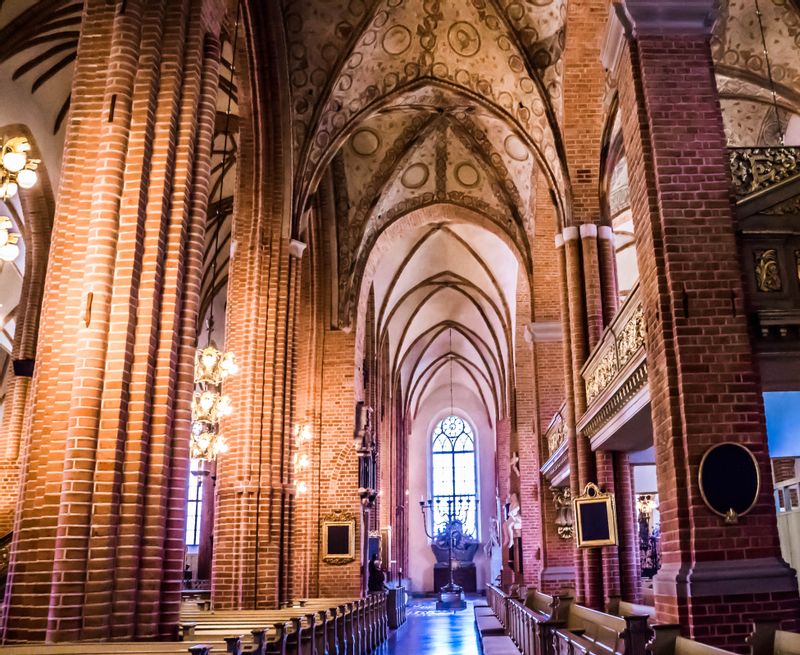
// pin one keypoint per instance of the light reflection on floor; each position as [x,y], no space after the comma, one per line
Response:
[430,632]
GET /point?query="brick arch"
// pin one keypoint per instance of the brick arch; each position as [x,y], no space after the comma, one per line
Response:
[382,242]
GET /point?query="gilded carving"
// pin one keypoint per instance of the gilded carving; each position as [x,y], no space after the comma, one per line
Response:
[632,337]
[562,499]
[797,264]
[556,436]
[757,169]
[767,271]
[602,374]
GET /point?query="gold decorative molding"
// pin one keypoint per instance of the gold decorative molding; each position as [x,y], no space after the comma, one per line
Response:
[333,527]
[623,340]
[767,270]
[797,264]
[757,169]
[633,383]
[562,499]
[556,434]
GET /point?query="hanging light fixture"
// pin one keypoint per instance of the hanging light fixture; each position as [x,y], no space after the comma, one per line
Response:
[9,248]
[17,169]
[211,365]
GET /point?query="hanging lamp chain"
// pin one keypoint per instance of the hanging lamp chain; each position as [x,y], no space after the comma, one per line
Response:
[781,135]
[451,370]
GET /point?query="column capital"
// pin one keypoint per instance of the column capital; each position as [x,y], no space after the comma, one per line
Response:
[297,248]
[543,332]
[636,18]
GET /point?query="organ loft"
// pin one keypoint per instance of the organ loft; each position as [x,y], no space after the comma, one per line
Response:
[339,327]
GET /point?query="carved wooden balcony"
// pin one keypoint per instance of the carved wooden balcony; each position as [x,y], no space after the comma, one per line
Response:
[759,170]
[767,186]
[615,378]
[556,467]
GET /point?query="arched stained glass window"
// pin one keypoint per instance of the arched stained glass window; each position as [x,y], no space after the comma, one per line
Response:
[453,474]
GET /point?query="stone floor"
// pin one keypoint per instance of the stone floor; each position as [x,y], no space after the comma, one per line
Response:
[429,632]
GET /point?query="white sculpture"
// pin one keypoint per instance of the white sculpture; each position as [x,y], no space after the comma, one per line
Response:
[513,524]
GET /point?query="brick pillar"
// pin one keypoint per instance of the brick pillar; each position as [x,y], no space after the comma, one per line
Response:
[608,272]
[98,545]
[588,560]
[629,569]
[569,408]
[592,284]
[530,492]
[703,382]
[338,481]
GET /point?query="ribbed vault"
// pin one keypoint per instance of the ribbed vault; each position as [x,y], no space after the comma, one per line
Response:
[445,305]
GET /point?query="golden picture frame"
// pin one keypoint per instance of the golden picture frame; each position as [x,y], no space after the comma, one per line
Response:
[596,518]
[338,539]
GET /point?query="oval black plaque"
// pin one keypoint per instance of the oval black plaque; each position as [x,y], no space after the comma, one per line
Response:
[729,479]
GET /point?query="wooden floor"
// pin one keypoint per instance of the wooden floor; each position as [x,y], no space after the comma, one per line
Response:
[428,632]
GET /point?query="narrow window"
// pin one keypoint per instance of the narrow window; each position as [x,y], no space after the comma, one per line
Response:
[453,475]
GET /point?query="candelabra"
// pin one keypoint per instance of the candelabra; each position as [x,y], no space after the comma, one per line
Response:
[451,596]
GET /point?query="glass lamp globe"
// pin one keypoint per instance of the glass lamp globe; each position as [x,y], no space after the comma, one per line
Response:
[224,407]
[8,189]
[27,177]
[13,161]
[9,252]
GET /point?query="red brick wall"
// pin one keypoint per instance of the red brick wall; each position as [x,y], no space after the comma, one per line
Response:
[703,383]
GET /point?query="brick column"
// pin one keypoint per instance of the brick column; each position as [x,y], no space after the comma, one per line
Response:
[569,388]
[703,382]
[608,272]
[530,492]
[592,282]
[98,545]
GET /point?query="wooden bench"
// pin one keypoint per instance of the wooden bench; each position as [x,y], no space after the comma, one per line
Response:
[396,602]
[589,631]
[317,626]
[766,639]
[499,645]
[531,624]
[107,648]
[619,607]
[667,640]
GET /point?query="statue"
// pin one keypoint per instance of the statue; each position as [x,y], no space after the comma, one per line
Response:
[494,538]
[513,522]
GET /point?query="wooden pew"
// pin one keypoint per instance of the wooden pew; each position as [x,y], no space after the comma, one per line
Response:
[107,648]
[766,639]
[589,631]
[396,602]
[619,607]
[318,626]
[666,640]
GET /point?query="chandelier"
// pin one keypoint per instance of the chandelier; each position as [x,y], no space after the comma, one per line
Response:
[9,250]
[17,169]
[209,404]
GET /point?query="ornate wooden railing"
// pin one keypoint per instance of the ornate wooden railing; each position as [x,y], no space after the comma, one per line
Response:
[622,342]
[617,369]
[556,433]
[755,170]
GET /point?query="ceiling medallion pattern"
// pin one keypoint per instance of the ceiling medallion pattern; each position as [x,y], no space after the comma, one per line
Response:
[365,142]
[391,47]
[464,39]
[415,176]
[397,40]
[467,175]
